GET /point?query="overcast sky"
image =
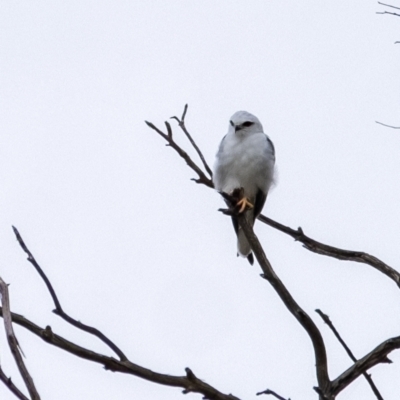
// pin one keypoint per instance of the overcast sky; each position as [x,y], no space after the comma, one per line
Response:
[135,248]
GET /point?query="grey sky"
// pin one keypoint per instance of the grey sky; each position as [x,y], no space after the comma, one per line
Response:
[136,249]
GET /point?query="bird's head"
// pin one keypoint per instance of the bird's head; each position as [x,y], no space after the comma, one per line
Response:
[245,123]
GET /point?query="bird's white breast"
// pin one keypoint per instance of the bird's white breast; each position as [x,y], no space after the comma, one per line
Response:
[244,161]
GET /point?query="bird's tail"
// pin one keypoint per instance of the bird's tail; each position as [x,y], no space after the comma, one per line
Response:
[243,245]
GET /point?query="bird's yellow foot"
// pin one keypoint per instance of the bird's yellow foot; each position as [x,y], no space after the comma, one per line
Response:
[243,204]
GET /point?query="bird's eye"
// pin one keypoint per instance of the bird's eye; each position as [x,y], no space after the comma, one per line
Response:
[231,123]
[247,123]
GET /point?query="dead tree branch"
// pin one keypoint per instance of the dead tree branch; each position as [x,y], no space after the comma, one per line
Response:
[389,126]
[13,342]
[8,382]
[327,390]
[309,243]
[376,356]
[302,317]
[59,310]
[271,392]
[388,12]
[168,137]
[367,376]
[182,125]
[189,383]
[388,5]
[330,251]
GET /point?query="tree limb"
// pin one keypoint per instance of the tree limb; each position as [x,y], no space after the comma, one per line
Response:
[376,356]
[302,317]
[58,310]
[13,342]
[190,383]
[367,376]
[309,243]
[330,251]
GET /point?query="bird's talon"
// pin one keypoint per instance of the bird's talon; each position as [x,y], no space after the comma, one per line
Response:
[244,204]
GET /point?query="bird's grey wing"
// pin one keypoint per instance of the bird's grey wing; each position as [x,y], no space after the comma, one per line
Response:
[259,202]
[272,146]
[221,147]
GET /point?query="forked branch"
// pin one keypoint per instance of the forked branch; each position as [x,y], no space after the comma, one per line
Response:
[309,243]
[302,317]
[189,383]
[367,376]
[59,310]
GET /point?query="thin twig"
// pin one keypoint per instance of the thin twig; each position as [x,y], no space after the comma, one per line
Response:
[13,342]
[269,391]
[189,383]
[9,383]
[203,179]
[387,12]
[302,317]
[367,376]
[182,125]
[58,310]
[388,5]
[389,126]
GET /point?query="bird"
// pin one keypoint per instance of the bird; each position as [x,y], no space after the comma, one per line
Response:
[245,164]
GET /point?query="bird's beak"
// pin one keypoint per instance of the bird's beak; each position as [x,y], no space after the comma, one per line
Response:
[238,128]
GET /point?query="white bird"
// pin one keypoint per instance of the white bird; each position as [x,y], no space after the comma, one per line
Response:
[245,160]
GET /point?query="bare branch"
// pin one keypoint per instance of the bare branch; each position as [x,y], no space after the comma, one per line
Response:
[387,12]
[327,320]
[302,317]
[330,251]
[389,126]
[268,391]
[181,123]
[8,382]
[298,235]
[388,5]
[190,383]
[59,311]
[13,342]
[376,356]
[202,177]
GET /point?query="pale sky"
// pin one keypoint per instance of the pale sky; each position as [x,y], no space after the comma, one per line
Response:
[136,249]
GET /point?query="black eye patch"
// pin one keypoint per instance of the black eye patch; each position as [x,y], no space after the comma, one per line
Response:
[231,123]
[247,124]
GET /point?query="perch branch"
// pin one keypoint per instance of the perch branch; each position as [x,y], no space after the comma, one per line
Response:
[58,310]
[190,383]
[302,317]
[13,342]
[367,376]
[309,243]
